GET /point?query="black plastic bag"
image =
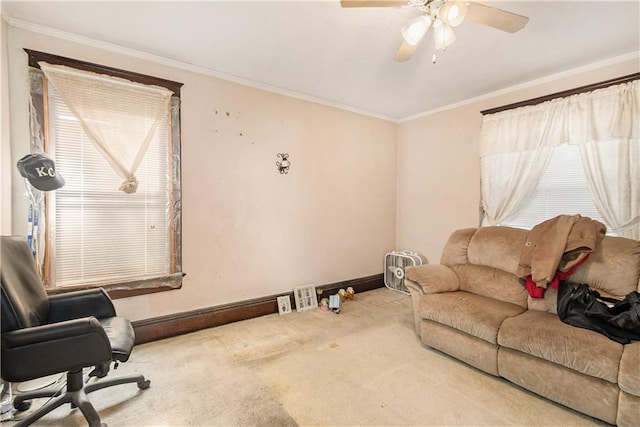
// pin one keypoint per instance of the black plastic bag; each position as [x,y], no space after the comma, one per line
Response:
[585,308]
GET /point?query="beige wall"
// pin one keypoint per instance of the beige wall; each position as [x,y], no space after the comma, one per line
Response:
[439,165]
[438,179]
[358,188]
[247,230]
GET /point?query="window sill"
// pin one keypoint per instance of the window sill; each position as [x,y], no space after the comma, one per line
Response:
[128,289]
[116,293]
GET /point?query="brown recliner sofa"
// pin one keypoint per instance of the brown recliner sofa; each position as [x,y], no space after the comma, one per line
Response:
[473,307]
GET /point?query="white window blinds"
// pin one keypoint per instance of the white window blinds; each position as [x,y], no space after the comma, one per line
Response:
[119,117]
[98,233]
[562,190]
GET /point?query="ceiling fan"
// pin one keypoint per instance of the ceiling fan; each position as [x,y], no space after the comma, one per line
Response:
[442,15]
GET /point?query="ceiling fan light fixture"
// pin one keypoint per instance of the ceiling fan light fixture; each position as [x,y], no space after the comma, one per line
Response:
[415,29]
[443,35]
[453,12]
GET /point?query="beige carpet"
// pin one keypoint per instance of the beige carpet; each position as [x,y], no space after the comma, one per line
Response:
[363,367]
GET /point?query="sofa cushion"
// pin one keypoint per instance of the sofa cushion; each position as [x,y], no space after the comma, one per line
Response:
[592,396]
[476,315]
[628,410]
[543,335]
[614,267]
[497,247]
[471,350]
[491,282]
[548,303]
[455,251]
[629,376]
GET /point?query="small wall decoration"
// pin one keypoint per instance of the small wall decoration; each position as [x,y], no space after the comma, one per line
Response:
[283,165]
[306,297]
[284,305]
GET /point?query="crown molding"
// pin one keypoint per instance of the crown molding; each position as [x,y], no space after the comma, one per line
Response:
[552,77]
[111,47]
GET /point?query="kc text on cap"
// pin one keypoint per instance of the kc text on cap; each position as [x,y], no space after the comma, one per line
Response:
[40,170]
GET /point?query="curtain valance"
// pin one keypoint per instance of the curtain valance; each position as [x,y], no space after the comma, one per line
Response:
[602,115]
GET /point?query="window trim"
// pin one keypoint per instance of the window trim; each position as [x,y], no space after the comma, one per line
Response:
[116,290]
[36,56]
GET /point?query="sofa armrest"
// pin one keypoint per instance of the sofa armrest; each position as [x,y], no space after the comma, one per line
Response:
[431,279]
[428,279]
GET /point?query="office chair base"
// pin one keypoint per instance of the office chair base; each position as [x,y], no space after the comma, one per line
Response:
[76,395]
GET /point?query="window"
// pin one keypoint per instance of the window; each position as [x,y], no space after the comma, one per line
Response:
[562,190]
[96,234]
[574,152]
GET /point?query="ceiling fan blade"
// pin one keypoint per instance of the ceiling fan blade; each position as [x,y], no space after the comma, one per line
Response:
[405,52]
[373,3]
[496,18]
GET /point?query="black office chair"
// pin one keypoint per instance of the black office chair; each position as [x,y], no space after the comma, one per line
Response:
[45,335]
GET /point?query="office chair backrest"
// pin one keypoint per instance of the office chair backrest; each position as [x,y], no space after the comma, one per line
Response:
[24,300]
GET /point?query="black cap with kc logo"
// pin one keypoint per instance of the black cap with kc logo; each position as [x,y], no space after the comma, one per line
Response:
[40,170]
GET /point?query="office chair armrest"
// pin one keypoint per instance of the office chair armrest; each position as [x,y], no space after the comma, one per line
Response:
[85,303]
[49,349]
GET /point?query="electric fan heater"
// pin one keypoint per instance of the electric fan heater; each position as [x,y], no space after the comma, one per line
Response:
[394,265]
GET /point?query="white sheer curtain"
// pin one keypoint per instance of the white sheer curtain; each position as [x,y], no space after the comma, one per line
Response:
[515,148]
[614,162]
[119,117]
[607,129]
[516,145]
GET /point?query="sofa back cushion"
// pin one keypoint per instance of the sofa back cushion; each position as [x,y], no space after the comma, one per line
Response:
[455,251]
[614,267]
[497,247]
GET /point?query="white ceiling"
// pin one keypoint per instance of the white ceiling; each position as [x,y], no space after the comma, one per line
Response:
[318,50]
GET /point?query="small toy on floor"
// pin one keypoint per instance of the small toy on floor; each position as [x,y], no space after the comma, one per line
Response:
[324,304]
[342,294]
[350,293]
[335,303]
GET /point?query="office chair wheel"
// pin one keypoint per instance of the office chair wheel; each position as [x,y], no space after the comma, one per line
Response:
[144,384]
[23,406]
